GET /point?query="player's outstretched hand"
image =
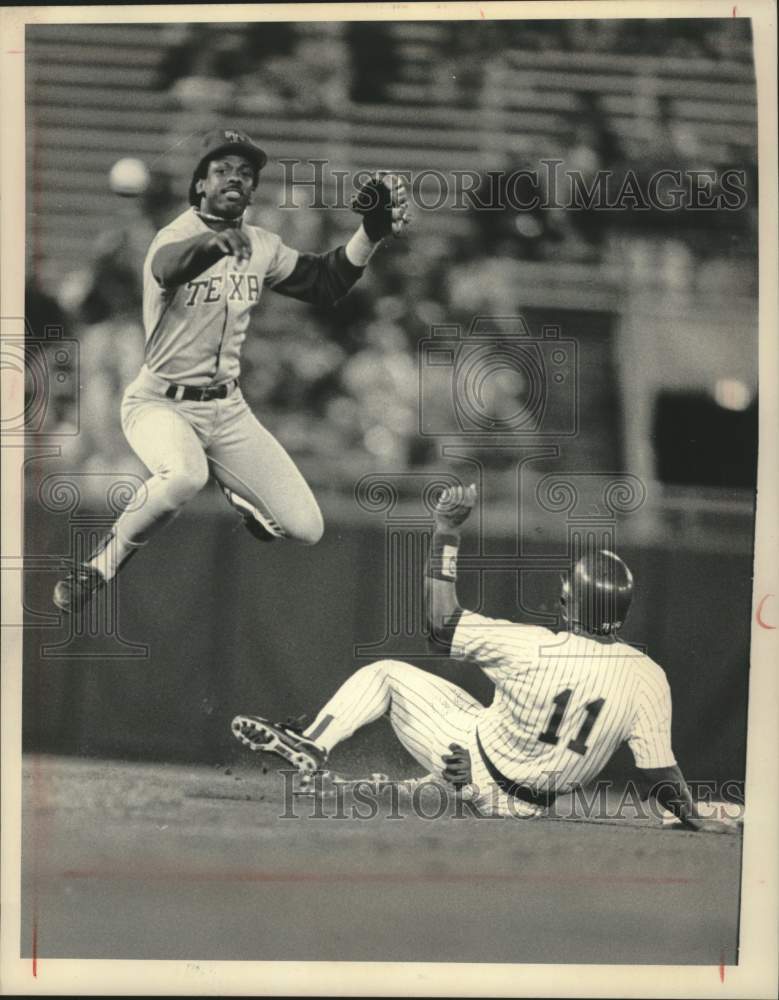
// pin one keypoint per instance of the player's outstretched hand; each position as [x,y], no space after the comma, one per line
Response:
[458,765]
[454,506]
[383,204]
[233,243]
[711,825]
[720,826]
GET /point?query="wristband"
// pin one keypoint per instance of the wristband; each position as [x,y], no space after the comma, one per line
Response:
[443,557]
[360,249]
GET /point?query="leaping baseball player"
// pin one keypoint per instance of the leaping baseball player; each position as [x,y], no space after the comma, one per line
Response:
[184,415]
[564,701]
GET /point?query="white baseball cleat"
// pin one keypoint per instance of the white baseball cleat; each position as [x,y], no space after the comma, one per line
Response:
[273,737]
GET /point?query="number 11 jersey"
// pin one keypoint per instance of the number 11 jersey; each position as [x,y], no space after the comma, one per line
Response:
[564,702]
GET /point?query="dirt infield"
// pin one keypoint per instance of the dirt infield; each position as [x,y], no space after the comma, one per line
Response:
[132,861]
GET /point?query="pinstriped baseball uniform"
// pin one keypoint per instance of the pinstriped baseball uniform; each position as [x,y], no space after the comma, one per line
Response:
[426,712]
[563,703]
[194,332]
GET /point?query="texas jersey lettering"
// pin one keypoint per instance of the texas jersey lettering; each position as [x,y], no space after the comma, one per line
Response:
[236,286]
[184,415]
[194,332]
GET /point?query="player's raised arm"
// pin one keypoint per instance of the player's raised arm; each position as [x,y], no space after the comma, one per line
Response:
[322,279]
[443,611]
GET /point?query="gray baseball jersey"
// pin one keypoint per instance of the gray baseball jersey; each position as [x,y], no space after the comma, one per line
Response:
[194,331]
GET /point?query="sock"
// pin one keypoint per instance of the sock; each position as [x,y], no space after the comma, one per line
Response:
[113,553]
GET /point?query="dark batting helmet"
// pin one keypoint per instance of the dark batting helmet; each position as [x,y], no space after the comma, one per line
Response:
[598,593]
[222,142]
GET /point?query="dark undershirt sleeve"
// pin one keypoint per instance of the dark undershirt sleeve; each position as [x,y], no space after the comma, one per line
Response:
[320,278]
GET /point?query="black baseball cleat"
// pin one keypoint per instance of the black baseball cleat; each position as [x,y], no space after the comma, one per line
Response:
[76,590]
[273,737]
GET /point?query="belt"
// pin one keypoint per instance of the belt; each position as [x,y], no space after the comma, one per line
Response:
[196,395]
[523,792]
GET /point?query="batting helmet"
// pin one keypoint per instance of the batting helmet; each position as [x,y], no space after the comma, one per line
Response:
[598,593]
[222,142]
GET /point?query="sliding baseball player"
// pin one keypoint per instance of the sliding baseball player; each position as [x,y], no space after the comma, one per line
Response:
[564,701]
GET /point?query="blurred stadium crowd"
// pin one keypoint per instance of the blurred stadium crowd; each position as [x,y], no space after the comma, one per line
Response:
[340,387]
[281,66]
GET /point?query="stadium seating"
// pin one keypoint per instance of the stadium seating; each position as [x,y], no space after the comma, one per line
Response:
[92,98]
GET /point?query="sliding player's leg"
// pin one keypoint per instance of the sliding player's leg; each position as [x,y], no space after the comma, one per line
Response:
[427,713]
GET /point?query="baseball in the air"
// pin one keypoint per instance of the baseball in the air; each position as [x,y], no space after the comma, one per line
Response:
[129,177]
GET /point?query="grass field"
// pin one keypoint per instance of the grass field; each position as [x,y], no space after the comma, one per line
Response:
[138,861]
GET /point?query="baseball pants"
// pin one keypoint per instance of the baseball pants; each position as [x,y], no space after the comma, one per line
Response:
[427,714]
[183,443]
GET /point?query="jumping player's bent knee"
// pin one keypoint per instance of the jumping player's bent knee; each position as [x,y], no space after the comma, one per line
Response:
[308,530]
[311,531]
[179,486]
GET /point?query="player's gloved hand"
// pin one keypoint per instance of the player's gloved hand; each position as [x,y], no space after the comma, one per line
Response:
[454,506]
[383,204]
[458,765]
[233,243]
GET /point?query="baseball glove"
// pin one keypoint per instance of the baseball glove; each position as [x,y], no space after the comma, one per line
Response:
[383,205]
